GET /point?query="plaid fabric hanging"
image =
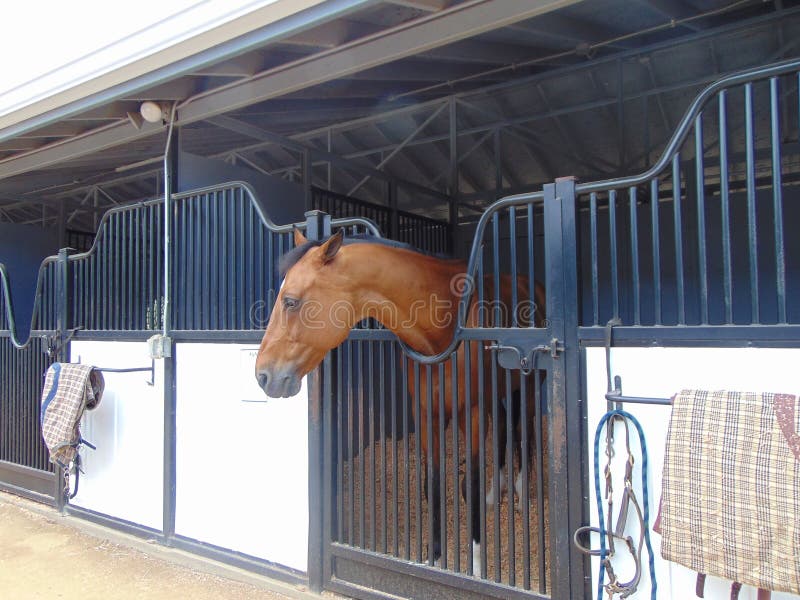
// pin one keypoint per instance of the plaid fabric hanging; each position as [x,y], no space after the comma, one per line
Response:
[730,504]
[69,389]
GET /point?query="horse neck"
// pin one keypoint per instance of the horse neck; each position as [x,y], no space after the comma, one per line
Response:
[416,290]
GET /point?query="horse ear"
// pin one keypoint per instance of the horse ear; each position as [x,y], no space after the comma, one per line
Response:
[331,246]
[299,238]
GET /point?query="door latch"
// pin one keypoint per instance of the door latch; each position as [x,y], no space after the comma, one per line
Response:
[514,357]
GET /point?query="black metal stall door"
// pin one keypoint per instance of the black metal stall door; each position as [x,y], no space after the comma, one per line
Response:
[380,457]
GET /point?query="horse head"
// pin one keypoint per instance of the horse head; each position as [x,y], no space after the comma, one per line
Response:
[313,313]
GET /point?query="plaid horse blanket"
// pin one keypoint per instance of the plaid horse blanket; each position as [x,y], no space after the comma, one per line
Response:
[730,503]
[69,389]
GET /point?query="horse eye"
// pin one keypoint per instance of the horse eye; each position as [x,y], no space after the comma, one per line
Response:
[290,303]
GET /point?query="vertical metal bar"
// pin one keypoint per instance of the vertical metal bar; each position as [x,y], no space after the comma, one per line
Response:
[158,258]
[152,259]
[496,403]
[341,401]
[443,466]
[429,457]
[223,292]
[138,281]
[509,449]
[777,201]
[512,233]
[395,457]
[540,490]
[752,235]
[328,492]
[678,226]
[351,429]
[318,502]
[612,236]
[524,466]
[371,454]
[244,233]
[186,252]
[130,271]
[481,428]
[382,434]
[104,273]
[252,291]
[362,404]
[213,291]
[700,189]
[407,471]
[637,299]
[725,201]
[593,244]
[418,445]
[91,319]
[656,244]
[532,268]
[119,261]
[454,424]
[468,449]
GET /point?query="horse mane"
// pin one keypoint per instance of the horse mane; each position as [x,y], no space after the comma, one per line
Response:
[288,260]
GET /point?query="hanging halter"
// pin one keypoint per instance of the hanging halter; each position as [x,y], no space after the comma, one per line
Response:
[611,534]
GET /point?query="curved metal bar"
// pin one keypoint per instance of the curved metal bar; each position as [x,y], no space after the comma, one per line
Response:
[248,189]
[472,267]
[370,225]
[9,309]
[687,122]
[675,142]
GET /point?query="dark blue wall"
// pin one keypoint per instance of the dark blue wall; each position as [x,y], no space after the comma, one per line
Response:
[22,248]
[282,201]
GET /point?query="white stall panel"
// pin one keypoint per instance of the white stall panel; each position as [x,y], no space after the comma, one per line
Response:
[242,460]
[124,476]
[662,372]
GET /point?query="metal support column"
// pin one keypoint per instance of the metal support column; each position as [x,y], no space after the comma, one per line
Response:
[63,325]
[567,464]
[318,227]
[167,346]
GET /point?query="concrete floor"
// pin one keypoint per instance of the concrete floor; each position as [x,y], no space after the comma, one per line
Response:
[44,555]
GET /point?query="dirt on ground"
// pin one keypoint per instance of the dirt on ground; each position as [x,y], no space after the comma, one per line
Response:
[46,556]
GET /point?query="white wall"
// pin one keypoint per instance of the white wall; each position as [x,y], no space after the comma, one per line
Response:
[242,461]
[661,372]
[124,476]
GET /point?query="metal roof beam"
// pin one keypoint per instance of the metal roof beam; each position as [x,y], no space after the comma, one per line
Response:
[426,5]
[416,37]
[267,136]
[436,29]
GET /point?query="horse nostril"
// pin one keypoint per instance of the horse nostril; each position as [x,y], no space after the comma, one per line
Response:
[263,379]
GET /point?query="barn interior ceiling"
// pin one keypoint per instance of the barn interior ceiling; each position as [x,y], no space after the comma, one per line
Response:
[474,99]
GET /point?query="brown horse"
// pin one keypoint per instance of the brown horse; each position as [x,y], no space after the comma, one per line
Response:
[330,286]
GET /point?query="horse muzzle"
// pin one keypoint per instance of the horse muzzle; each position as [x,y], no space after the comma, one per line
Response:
[278,385]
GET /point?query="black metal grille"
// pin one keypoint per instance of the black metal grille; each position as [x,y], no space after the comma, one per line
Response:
[429,235]
[702,239]
[21,373]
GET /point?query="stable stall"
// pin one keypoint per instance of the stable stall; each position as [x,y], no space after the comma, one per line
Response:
[638,160]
